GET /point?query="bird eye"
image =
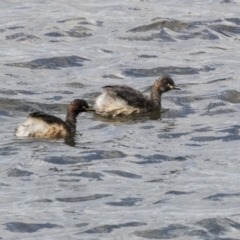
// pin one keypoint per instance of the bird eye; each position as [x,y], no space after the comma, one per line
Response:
[170,86]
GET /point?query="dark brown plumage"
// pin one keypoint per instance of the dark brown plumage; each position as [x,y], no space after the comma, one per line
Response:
[43,125]
[124,100]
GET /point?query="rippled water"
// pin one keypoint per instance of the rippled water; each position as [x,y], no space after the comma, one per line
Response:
[168,176]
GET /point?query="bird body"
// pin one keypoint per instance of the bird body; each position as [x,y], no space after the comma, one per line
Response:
[43,125]
[37,125]
[124,100]
[109,103]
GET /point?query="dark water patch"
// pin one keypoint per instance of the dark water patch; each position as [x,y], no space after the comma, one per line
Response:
[55,41]
[19,173]
[171,135]
[161,201]
[64,92]
[219,226]
[204,129]
[221,196]
[158,71]
[93,175]
[187,30]
[75,85]
[218,112]
[83,21]
[45,200]
[156,180]
[197,53]
[233,130]
[14,36]
[173,25]
[16,76]
[158,158]
[229,138]
[96,23]
[135,9]
[79,32]
[232,137]
[63,160]
[218,48]
[83,199]
[56,98]
[125,202]
[80,225]
[112,76]
[123,174]
[6,151]
[100,154]
[25,92]
[162,36]
[106,51]
[69,180]
[204,35]
[16,92]
[147,56]
[181,158]
[55,34]
[194,145]
[76,32]
[71,19]
[109,228]
[21,37]
[172,231]
[234,20]
[231,96]
[80,167]
[225,29]
[16,27]
[227,2]
[178,193]
[206,139]
[55,63]
[201,233]
[146,127]
[29,227]
[4,185]
[215,105]
[99,126]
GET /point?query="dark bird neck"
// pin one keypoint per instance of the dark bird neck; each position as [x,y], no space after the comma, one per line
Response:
[156,98]
[71,120]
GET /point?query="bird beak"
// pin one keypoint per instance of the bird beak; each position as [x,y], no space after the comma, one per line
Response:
[173,87]
[176,88]
[89,109]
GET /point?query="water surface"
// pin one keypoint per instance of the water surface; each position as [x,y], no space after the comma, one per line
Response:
[173,175]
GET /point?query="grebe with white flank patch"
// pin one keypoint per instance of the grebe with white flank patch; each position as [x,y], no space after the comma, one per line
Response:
[43,125]
[123,100]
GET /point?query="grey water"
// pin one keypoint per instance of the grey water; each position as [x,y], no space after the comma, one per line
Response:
[173,175]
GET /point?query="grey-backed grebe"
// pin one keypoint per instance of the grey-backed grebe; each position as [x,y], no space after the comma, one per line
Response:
[43,125]
[123,100]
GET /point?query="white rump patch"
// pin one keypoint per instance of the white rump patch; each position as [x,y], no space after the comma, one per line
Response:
[107,105]
[31,126]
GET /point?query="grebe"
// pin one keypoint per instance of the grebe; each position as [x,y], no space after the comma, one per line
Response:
[123,100]
[43,125]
